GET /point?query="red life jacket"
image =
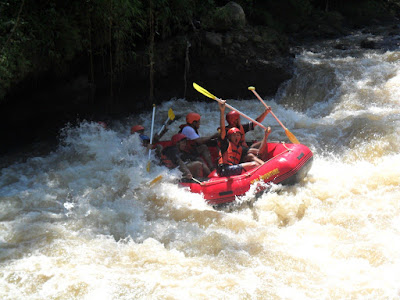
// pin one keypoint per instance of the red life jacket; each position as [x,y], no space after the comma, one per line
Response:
[231,156]
[242,139]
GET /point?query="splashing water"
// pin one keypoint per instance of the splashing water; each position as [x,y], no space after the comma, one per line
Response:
[82,222]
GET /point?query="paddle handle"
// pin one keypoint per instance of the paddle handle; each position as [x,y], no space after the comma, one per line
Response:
[152,128]
[209,95]
[163,127]
[290,135]
[266,106]
[196,180]
[152,123]
[242,114]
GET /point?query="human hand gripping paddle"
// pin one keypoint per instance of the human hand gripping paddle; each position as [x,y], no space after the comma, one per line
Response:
[209,95]
[171,118]
[290,135]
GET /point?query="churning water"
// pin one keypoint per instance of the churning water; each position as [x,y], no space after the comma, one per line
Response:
[82,223]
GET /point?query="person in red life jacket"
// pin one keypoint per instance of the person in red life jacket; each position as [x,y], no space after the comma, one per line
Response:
[146,140]
[197,145]
[233,119]
[157,136]
[231,149]
[140,130]
[176,156]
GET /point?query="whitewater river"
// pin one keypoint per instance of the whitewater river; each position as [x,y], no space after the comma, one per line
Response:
[82,223]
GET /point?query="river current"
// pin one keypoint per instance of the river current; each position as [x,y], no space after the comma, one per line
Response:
[82,222]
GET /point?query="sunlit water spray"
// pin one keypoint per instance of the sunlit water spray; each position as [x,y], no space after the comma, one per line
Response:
[82,222]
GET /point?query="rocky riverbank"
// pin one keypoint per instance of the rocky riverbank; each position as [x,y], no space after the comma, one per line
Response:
[224,53]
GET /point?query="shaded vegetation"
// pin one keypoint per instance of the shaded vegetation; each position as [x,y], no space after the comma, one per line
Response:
[39,37]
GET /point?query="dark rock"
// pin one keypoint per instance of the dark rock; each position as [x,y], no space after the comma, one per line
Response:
[224,61]
[341,46]
[368,44]
[213,39]
[230,16]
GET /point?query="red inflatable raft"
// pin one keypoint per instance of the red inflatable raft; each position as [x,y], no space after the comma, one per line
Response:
[286,164]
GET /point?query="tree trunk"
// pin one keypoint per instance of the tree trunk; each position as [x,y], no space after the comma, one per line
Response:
[111,56]
[14,27]
[187,68]
[151,53]
[92,86]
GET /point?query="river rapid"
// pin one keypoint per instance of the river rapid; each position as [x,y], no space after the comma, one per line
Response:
[82,222]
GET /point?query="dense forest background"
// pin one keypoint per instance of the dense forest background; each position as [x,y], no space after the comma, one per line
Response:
[63,58]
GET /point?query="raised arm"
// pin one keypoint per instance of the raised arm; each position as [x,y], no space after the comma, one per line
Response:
[261,117]
[222,119]
[263,150]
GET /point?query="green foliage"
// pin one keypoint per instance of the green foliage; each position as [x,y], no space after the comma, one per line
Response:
[127,24]
[176,16]
[14,66]
[283,15]
[48,35]
[364,11]
[43,35]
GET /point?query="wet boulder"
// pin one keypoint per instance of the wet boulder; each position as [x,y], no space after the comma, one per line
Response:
[225,18]
[368,44]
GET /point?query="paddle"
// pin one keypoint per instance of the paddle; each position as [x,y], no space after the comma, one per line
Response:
[149,184]
[155,180]
[151,137]
[196,180]
[209,95]
[290,135]
[171,118]
[159,177]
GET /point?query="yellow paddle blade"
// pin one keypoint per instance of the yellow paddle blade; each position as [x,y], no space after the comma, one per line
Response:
[148,166]
[291,137]
[203,91]
[251,88]
[171,114]
[155,180]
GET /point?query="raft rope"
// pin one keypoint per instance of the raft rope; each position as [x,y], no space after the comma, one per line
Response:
[254,170]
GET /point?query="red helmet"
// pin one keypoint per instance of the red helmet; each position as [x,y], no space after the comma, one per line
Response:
[136,128]
[233,130]
[191,117]
[232,117]
[177,138]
